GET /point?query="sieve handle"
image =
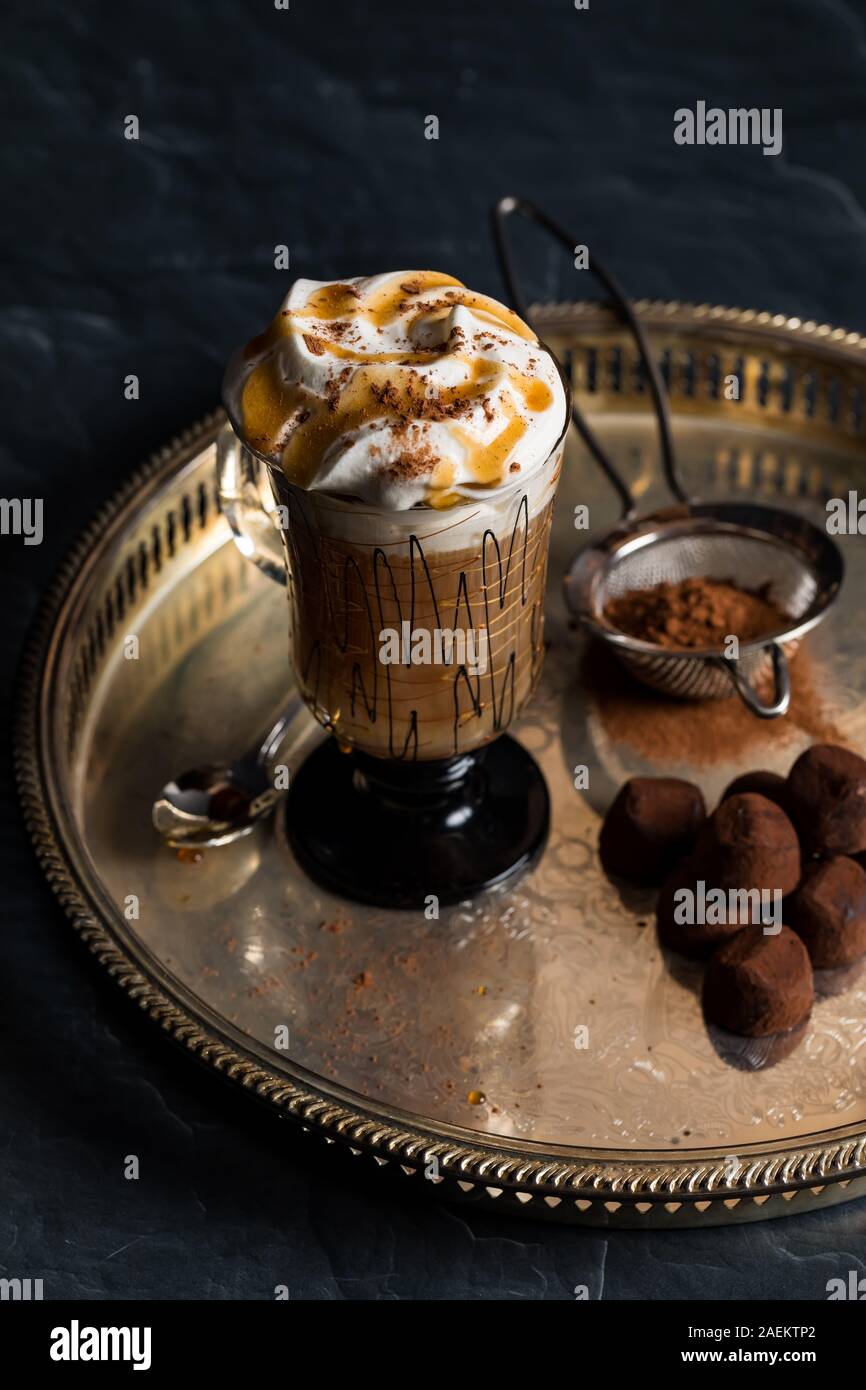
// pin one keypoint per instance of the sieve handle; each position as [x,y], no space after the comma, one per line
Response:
[500,213]
[750,696]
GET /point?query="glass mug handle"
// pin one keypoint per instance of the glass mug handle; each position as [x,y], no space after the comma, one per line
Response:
[240,495]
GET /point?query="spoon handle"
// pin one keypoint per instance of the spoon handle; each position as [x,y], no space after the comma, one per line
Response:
[256,760]
[269,742]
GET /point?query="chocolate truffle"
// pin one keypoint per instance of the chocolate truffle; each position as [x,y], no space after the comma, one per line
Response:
[696,939]
[828,912]
[749,842]
[651,824]
[769,784]
[827,786]
[758,984]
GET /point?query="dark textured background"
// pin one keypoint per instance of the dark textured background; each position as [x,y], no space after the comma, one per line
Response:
[261,127]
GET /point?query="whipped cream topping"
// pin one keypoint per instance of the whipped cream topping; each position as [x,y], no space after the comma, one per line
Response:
[398,390]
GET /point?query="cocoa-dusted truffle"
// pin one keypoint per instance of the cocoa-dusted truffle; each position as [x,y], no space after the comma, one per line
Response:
[652,823]
[757,984]
[828,912]
[827,786]
[749,842]
[769,784]
[696,939]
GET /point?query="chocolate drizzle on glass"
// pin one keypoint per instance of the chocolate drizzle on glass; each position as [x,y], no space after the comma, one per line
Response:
[344,595]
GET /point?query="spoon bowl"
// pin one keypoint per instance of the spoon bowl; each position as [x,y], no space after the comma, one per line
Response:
[216,803]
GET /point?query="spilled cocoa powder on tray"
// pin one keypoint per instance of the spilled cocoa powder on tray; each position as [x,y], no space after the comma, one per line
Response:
[699,732]
[694,613]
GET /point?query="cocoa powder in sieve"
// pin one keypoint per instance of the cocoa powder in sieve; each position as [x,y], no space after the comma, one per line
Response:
[694,613]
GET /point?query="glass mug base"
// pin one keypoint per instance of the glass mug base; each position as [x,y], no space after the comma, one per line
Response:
[418,835]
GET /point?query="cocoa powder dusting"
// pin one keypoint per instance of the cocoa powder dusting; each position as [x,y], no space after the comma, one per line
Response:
[418,405]
[694,613]
[409,465]
[699,732]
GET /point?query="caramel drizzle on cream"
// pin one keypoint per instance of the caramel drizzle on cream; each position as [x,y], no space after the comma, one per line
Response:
[285,419]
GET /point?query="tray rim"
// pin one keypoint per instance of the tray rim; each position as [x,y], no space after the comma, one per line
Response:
[638,1179]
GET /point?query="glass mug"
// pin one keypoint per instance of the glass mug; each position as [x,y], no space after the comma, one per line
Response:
[416,639]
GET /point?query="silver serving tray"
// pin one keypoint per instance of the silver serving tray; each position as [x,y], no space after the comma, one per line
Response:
[396,1024]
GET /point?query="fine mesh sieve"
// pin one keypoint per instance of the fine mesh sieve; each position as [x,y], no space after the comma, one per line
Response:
[757,548]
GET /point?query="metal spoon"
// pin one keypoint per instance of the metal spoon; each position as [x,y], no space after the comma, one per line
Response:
[219,802]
